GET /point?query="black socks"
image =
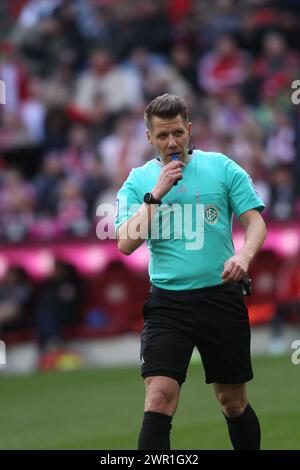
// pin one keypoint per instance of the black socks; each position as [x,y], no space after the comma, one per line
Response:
[155,432]
[244,430]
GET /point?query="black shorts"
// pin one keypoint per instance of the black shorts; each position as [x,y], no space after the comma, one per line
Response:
[214,319]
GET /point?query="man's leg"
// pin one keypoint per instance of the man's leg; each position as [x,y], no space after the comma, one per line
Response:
[242,422]
[162,396]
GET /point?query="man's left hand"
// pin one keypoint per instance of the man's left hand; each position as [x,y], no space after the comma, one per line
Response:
[235,268]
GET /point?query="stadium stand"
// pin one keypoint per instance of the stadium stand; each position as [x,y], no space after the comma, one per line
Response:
[79,74]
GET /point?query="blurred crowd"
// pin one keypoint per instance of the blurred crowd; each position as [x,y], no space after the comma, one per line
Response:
[79,73]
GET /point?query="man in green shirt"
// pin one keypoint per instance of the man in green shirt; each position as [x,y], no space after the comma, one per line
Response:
[182,202]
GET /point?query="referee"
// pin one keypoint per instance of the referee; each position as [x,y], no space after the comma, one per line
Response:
[196,297]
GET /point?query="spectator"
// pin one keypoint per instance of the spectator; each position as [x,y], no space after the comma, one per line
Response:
[12,71]
[123,149]
[79,152]
[32,111]
[57,305]
[224,67]
[56,129]
[94,183]
[17,204]
[15,298]
[280,142]
[104,77]
[282,193]
[13,134]
[156,74]
[277,66]
[72,208]
[184,62]
[35,10]
[47,183]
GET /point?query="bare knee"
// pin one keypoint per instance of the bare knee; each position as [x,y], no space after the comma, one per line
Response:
[232,407]
[232,398]
[161,397]
[157,400]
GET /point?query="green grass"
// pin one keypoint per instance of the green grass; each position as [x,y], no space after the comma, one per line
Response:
[102,409]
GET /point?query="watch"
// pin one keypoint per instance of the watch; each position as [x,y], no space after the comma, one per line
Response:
[149,199]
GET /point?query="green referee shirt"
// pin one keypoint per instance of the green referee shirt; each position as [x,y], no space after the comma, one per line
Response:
[191,234]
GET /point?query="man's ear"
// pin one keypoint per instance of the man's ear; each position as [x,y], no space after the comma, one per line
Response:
[189,126]
[148,136]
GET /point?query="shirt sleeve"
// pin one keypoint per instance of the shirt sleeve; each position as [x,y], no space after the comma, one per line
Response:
[128,201]
[241,190]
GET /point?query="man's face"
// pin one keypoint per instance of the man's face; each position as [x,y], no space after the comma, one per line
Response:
[169,137]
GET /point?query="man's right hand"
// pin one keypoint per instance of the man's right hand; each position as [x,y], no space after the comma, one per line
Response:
[169,175]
